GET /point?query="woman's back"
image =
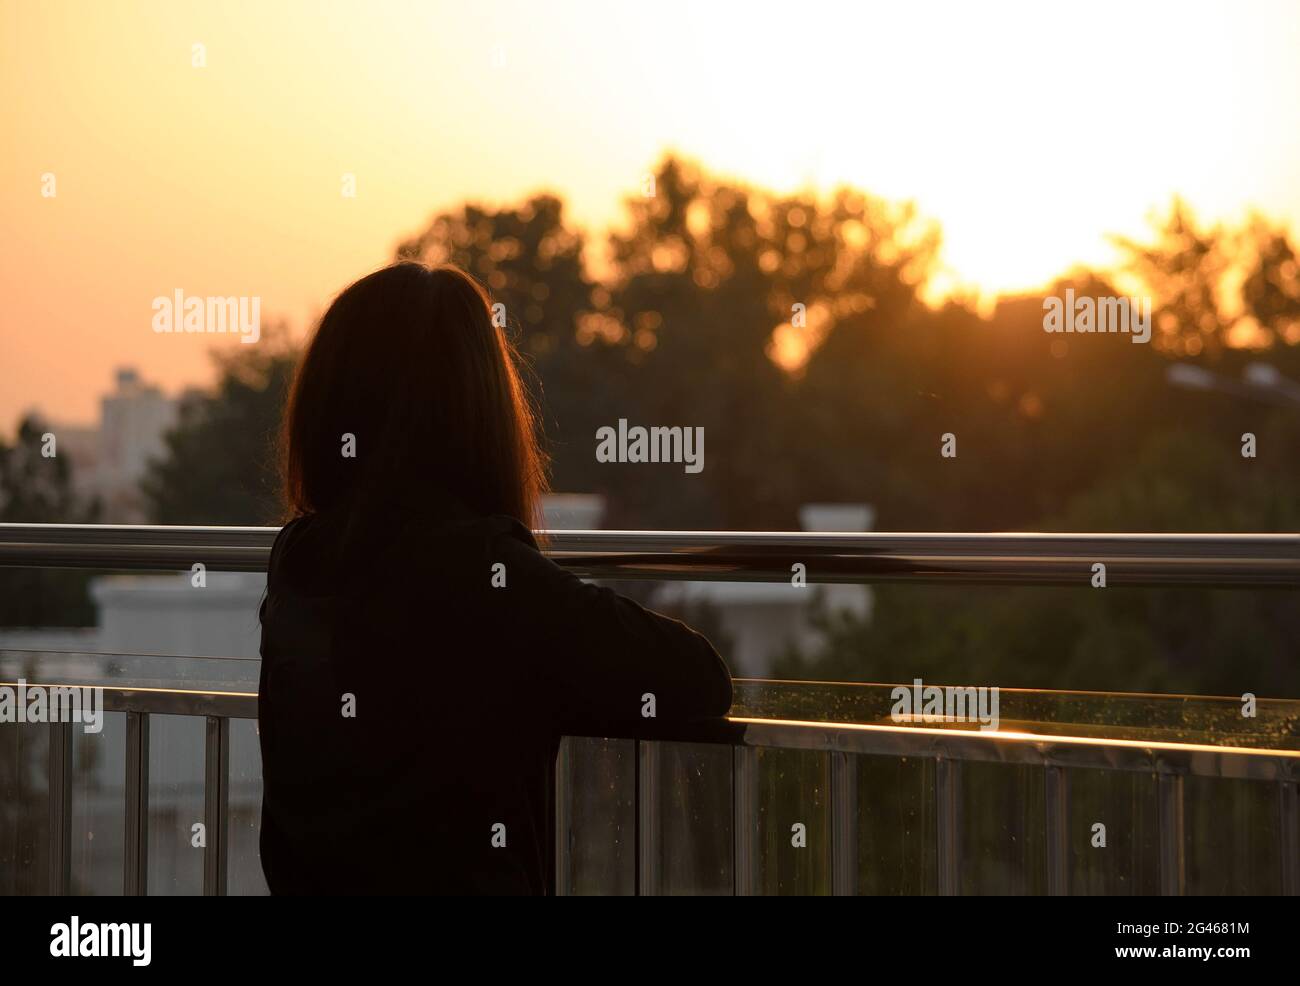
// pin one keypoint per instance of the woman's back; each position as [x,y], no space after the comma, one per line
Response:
[414,689]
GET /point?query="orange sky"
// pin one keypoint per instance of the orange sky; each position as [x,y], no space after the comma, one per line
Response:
[1029,131]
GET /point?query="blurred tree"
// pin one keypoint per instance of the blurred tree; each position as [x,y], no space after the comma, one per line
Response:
[1197,641]
[1184,270]
[37,489]
[692,308]
[1270,291]
[1174,640]
[220,466]
[730,300]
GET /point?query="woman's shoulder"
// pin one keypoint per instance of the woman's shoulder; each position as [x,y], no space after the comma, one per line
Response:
[289,534]
[309,546]
[501,526]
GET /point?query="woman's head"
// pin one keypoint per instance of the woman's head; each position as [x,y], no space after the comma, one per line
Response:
[407,390]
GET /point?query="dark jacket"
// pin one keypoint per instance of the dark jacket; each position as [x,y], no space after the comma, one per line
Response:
[460,692]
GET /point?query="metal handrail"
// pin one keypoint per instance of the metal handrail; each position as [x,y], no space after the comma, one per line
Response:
[997,746]
[1223,560]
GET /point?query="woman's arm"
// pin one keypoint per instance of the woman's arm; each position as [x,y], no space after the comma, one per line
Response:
[610,662]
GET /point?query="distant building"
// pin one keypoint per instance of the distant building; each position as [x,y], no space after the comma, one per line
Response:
[133,420]
[110,460]
[573,511]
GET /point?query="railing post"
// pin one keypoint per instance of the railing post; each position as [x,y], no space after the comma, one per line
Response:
[1173,876]
[135,873]
[60,792]
[216,805]
[1056,785]
[947,802]
[844,825]
[648,873]
[1290,834]
[744,818]
[563,816]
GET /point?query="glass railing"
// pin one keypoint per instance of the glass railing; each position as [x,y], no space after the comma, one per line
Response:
[808,787]
[825,791]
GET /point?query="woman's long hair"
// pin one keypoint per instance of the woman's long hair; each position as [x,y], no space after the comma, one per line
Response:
[409,392]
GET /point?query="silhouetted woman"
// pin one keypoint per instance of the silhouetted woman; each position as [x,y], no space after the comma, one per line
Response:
[420,656]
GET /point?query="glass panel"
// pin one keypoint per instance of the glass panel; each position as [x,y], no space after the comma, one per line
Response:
[1000,824]
[1123,858]
[24,809]
[177,614]
[244,864]
[695,819]
[602,854]
[131,670]
[897,820]
[99,807]
[176,779]
[1232,834]
[794,830]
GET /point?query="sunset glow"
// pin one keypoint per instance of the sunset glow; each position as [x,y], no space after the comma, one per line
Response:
[1028,133]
